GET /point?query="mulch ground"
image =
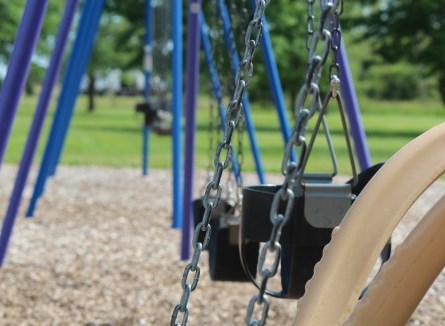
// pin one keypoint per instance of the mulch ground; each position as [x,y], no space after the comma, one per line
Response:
[101,251]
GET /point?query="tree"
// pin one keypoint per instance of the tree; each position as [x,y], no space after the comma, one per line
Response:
[107,54]
[10,15]
[409,30]
[288,36]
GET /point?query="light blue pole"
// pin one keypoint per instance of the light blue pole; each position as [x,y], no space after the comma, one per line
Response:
[216,85]
[75,80]
[18,68]
[148,69]
[177,111]
[36,126]
[82,47]
[229,42]
[274,81]
[145,149]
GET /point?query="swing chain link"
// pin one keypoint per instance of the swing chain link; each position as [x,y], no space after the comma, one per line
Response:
[292,171]
[310,22]
[234,115]
[240,160]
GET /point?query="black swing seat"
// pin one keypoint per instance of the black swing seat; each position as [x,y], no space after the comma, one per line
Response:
[224,259]
[157,115]
[319,206]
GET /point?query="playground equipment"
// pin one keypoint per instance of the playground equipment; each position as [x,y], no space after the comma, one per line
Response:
[156,108]
[13,86]
[21,58]
[82,47]
[77,65]
[225,219]
[323,40]
[331,295]
[272,71]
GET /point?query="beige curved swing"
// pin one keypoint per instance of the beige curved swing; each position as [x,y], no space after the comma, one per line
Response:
[331,296]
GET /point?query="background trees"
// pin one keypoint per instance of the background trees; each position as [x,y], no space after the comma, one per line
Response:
[409,31]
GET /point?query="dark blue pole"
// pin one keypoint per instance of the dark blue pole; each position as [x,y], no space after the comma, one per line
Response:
[148,69]
[177,111]
[230,44]
[353,110]
[18,68]
[274,81]
[190,111]
[216,84]
[36,127]
[76,67]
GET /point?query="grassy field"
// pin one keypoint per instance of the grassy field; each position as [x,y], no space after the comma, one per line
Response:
[111,136]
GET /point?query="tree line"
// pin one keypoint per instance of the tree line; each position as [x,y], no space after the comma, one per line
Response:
[409,31]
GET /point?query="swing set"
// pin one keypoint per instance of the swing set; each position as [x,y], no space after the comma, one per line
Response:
[321,236]
[326,236]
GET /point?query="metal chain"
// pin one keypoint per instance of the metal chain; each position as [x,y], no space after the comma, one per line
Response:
[319,49]
[310,22]
[222,159]
[212,141]
[240,161]
[239,16]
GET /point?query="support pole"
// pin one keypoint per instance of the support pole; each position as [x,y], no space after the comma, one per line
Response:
[18,68]
[148,70]
[177,111]
[274,81]
[216,84]
[145,148]
[36,127]
[353,110]
[230,44]
[77,64]
[193,43]
[74,78]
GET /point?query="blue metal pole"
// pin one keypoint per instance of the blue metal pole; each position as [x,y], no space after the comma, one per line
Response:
[36,127]
[216,85]
[353,110]
[148,69]
[190,110]
[75,80]
[177,111]
[18,68]
[145,145]
[230,44]
[274,81]
[76,66]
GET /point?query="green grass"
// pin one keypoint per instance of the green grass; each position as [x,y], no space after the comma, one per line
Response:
[111,136]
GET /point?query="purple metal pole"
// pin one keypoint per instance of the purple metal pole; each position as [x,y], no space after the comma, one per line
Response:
[193,44]
[353,110]
[36,127]
[18,68]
